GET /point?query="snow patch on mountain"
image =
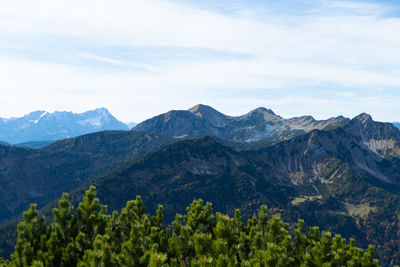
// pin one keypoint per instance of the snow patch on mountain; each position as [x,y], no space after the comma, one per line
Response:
[41,116]
[96,122]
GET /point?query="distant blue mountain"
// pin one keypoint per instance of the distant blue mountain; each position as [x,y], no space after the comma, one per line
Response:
[396,124]
[44,126]
[131,124]
[4,143]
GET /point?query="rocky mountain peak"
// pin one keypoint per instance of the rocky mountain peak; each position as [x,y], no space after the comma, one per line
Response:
[262,110]
[103,111]
[209,114]
[34,114]
[260,114]
[201,108]
[364,118]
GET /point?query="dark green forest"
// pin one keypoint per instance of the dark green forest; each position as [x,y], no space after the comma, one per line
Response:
[90,236]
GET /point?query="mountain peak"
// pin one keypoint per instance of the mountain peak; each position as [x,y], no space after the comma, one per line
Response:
[99,111]
[363,118]
[102,109]
[209,114]
[262,110]
[200,110]
[35,114]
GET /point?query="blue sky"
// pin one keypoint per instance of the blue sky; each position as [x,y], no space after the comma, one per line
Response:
[142,58]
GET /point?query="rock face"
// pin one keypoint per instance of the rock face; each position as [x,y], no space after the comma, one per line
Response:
[368,148]
[256,128]
[44,126]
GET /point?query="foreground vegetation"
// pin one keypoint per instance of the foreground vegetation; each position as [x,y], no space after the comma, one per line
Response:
[91,237]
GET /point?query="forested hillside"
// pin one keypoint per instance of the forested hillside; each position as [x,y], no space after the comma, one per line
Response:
[40,175]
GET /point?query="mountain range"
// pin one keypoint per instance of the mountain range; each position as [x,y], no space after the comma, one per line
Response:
[259,127]
[396,124]
[340,174]
[37,127]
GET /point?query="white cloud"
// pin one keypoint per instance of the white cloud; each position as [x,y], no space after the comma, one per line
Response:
[350,46]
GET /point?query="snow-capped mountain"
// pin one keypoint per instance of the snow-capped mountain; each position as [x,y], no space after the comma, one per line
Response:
[396,124]
[43,126]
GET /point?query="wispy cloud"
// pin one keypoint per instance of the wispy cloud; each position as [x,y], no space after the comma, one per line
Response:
[140,58]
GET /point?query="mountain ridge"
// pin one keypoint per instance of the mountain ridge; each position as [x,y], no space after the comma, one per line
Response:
[260,125]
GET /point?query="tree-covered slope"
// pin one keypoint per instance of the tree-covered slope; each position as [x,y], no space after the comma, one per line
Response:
[198,168]
[40,175]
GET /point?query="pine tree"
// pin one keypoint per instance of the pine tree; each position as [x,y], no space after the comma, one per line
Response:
[32,236]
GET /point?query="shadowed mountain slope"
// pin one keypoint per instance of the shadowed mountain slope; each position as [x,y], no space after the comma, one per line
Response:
[40,175]
[198,168]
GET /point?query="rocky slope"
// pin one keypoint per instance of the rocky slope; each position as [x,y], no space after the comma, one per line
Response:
[44,126]
[257,128]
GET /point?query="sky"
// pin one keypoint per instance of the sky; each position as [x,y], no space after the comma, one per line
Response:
[143,58]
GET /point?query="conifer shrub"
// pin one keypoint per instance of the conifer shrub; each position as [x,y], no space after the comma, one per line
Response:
[90,236]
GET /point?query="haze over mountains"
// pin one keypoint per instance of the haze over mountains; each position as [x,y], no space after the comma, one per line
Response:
[341,174]
[41,126]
